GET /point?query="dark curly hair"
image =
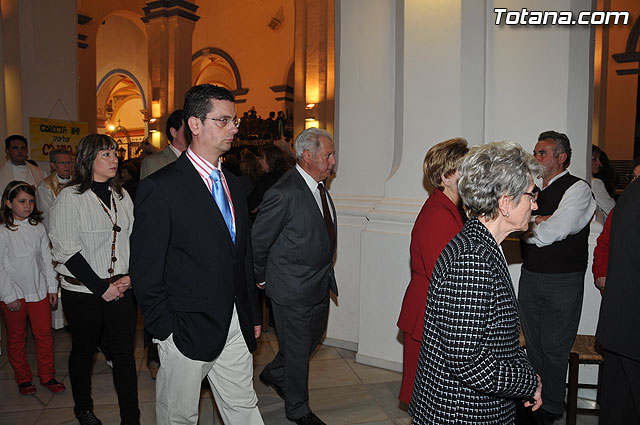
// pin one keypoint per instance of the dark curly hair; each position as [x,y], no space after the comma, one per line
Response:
[10,192]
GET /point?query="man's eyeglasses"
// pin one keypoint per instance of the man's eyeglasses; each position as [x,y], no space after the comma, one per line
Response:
[223,122]
[63,162]
[532,195]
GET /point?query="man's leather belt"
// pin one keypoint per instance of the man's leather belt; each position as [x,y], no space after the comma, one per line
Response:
[110,280]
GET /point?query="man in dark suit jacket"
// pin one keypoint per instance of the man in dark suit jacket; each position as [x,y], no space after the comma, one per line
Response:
[293,248]
[178,143]
[191,261]
[619,320]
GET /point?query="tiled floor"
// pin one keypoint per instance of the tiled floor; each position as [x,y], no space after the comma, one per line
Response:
[342,392]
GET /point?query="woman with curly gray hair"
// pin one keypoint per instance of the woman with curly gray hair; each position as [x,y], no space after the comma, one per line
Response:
[471,368]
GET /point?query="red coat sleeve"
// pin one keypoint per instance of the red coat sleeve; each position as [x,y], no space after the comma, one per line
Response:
[601,251]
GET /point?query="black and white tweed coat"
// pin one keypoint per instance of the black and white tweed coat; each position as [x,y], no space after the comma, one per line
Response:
[471,369]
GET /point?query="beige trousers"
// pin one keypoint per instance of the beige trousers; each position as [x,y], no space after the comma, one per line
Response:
[230,375]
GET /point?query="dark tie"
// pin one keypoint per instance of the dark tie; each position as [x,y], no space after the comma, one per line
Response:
[327,215]
[223,203]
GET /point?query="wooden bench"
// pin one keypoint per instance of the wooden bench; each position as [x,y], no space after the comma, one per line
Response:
[582,352]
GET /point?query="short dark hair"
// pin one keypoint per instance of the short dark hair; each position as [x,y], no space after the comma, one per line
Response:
[8,140]
[562,144]
[197,102]
[54,153]
[174,121]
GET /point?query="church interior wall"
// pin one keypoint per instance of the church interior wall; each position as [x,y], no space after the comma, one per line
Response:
[459,76]
[617,136]
[121,44]
[39,69]
[263,56]
[409,74]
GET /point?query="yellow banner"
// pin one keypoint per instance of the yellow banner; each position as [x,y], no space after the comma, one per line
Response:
[47,135]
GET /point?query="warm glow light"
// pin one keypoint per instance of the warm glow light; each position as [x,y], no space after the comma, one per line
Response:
[153,131]
[111,127]
[155,138]
[311,123]
[311,105]
[155,109]
[153,120]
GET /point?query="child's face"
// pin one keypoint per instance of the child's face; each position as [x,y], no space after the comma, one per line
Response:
[22,205]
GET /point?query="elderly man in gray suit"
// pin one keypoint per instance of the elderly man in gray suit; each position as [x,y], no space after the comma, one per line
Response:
[178,143]
[294,243]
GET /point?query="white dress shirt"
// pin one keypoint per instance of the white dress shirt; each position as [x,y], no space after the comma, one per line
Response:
[204,169]
[604,202]
[573,213]
[25,263]
[313,187]
[79,224]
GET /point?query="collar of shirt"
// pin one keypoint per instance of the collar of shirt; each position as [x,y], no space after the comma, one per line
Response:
[61,180]
[205,168]
[555,178]
[310,181]
[175,150]
[313,187]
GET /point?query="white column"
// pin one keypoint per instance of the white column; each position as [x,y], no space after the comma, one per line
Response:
[413,73]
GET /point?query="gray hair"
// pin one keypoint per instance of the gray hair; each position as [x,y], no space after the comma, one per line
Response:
[54,153]
[491,170]
[310,140]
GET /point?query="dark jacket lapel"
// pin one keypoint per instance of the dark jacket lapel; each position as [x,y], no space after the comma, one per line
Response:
[193,184]
[309,199]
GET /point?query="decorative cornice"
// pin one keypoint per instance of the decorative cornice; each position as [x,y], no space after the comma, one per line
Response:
[83,19]
[630,54]
[240,92]
[282,88]
[169,8]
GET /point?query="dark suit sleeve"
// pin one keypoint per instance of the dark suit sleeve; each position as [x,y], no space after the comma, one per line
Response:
[256,306]
[266,229]
[149,243]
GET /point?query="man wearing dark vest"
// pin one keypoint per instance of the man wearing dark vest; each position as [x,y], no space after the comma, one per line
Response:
[555,256]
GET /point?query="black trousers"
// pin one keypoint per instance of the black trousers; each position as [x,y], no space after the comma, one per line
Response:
[87,314]
[619,390]
[300,330]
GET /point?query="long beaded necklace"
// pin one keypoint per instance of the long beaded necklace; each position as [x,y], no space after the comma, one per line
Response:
[115,228]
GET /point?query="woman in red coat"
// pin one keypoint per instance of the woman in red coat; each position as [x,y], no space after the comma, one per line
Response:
[439,220]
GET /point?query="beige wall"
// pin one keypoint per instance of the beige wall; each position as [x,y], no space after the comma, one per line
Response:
[619,96]
[262,55]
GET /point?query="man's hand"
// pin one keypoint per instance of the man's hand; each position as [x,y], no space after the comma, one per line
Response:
[112,293]
[600,282]
[257,331]
[537,397]
[14,305]
[541,218]
[53,298]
